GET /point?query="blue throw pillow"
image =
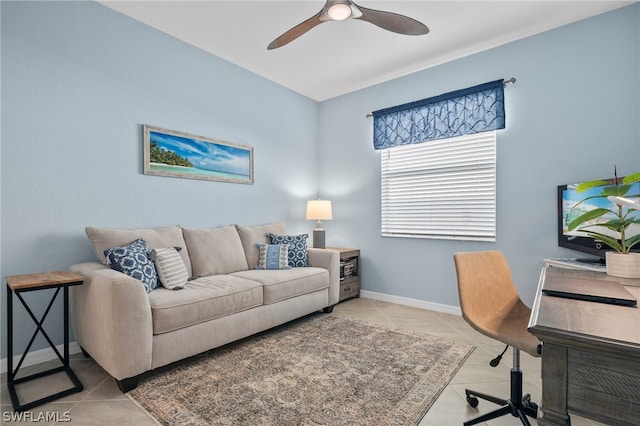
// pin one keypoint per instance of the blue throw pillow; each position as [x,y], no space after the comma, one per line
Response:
[297,248]
[133,260]
[273,256]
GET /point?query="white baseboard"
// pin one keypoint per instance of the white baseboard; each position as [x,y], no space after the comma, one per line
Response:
[39,356]
[415,303]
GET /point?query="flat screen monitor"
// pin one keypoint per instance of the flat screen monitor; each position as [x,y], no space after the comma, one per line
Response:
[568,197]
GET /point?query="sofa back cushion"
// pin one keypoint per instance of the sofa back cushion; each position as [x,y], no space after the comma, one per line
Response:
[252,235]
[163,237]
[215,251]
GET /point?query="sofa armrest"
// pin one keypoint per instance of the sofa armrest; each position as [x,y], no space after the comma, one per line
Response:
[112,320]
[330,260]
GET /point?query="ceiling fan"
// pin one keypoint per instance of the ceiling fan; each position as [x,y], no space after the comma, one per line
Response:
[340,10]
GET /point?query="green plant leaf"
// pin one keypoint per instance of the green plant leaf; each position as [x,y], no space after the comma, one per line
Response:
[635,177]
[585,217]
[608,240]
[590,184]
[628,219]
[633,241]
[619,190]
[614,225]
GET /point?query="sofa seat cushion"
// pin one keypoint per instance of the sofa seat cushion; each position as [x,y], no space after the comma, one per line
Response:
[202,300]
[284,284]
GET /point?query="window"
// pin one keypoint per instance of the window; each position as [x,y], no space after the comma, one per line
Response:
[444,189]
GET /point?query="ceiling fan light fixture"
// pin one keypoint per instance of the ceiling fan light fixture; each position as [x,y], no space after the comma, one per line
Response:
[339,12]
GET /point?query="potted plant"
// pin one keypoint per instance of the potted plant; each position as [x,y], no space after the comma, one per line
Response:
[611,224]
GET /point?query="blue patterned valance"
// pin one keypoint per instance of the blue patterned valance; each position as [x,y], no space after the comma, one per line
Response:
[463,112]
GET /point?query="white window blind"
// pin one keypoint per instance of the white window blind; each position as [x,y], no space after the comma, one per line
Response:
[442,189]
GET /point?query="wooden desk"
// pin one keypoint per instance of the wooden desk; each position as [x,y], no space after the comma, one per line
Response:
[590,355]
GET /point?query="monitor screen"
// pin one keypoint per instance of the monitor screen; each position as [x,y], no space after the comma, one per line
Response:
[568,197]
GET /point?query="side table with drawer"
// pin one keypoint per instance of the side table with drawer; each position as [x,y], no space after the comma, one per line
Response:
[349,272]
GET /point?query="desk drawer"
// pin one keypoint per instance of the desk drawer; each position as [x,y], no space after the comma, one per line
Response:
[605,383]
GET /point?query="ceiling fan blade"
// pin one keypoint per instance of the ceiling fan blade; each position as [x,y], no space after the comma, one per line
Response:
[393,22]
[295,32]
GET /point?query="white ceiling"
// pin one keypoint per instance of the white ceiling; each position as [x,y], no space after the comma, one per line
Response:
[340,57]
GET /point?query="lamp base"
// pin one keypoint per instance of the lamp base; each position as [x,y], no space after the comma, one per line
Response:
[318,238]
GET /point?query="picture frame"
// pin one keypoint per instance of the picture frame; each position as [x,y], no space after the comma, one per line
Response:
[183,155]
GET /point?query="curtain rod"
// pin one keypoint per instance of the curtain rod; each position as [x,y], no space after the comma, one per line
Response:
[505,82]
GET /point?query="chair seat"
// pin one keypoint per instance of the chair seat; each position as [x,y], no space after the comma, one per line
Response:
[508,328]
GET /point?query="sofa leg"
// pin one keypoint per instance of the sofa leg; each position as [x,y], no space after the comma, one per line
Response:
[328,309]
[85,353]
[128,384]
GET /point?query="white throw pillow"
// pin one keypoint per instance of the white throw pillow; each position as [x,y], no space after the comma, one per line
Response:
[171,269]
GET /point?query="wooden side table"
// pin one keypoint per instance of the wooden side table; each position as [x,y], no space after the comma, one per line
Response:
[349,272]
[18,284]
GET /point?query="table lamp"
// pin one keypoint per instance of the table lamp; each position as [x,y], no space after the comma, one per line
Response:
[319,210]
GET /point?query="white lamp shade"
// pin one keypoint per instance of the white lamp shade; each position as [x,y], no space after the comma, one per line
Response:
[319,210]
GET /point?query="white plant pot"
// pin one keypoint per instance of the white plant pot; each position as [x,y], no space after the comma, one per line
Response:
[623,265]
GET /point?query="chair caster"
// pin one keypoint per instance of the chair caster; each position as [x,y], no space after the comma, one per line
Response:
[472,401]
[526,401]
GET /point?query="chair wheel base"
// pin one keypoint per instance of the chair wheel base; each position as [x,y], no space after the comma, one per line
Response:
[521,408]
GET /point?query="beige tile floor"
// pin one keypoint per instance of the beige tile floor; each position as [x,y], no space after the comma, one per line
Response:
[101,403]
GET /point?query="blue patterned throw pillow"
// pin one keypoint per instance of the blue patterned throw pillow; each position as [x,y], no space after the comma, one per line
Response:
[133,260]
[273,256]
[297,248]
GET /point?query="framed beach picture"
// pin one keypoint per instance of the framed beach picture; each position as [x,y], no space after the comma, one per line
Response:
[171,153]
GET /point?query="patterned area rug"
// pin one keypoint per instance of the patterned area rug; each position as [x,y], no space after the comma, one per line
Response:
[320,370]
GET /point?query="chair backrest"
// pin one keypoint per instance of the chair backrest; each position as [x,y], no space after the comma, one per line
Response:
[485,285]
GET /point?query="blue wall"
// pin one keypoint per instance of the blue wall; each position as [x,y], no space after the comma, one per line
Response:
[572,113]
[79,80]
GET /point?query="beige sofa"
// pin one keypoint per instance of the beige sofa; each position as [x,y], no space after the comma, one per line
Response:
[129,331]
